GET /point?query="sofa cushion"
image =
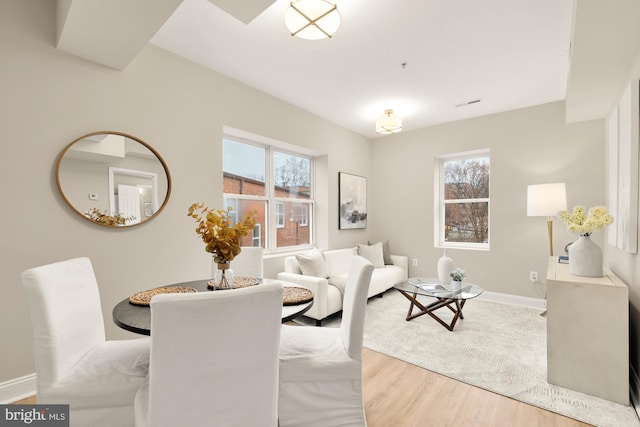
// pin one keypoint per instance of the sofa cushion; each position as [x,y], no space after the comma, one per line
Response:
[339,260]
[372,253]
[313,264]
[386,252]
[339,282]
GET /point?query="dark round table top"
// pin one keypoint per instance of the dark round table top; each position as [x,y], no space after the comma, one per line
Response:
[136,318]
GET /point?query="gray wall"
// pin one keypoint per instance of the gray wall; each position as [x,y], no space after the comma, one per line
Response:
[527,146]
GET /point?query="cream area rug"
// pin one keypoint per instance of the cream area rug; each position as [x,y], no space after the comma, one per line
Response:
[497,347]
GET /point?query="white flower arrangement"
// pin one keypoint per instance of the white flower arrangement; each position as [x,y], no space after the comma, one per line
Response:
[458,274]
[596,218]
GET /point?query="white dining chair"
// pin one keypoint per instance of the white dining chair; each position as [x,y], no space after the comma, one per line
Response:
[214,359]
[75,364]
[249,262]
[321,368]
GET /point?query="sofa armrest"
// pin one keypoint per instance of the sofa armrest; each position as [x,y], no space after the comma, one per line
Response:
[317,285]
[402,261]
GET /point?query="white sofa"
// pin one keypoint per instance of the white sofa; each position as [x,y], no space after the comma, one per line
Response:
[328,291]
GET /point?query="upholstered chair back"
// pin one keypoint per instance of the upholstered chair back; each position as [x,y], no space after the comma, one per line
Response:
[354,306]
[249,263]
[214,359]
[66,315]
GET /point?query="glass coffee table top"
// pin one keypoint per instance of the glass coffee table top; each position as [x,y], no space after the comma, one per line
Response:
[452,296]
[433,288]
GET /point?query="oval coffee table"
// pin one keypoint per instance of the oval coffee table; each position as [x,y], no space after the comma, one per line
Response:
[453,296]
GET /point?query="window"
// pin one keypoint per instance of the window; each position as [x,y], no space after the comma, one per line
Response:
[462,200]
[276,183]
[279,215]
[257,236]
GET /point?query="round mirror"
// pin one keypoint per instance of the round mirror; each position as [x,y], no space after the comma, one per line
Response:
[113,179]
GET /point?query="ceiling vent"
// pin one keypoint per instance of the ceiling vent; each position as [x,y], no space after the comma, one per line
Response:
[473,101]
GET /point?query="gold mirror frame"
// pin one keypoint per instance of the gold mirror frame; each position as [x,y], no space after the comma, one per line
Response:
[105,217]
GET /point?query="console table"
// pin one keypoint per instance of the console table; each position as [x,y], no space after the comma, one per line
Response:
[588,333]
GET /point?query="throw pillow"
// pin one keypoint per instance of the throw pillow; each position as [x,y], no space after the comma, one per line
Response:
[313,264]
[372,253]
[386,252]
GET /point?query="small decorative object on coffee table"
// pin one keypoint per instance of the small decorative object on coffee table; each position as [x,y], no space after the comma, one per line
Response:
[585,256]
[458,276]
[221,237]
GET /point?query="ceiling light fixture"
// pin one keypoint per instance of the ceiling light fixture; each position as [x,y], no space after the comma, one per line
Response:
[388,124]
[312,19]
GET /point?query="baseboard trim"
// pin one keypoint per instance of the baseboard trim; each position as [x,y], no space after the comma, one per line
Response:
[535,303]
[17,389]
[634,388]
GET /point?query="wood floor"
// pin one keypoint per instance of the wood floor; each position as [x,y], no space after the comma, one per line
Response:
[398,394]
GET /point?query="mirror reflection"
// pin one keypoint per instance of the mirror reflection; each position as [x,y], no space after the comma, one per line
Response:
[113,179]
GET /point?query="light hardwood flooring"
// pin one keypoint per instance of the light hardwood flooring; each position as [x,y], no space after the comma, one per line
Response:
[399,394]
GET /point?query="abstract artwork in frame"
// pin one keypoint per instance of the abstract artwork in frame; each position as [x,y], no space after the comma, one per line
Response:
[623,138]
[352,201]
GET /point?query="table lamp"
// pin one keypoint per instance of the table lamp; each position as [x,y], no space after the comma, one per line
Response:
[547,200]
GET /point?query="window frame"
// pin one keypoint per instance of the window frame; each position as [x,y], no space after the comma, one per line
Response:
[271,201]
[440,203]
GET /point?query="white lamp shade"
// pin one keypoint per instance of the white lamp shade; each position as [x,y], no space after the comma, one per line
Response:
[546,199]
[312,19]
[388,124]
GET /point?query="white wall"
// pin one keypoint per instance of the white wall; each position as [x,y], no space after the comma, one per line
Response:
[50,98]
[627,267]
[527,146]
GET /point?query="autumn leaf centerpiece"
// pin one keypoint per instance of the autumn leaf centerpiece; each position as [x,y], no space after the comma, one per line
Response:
[221,236]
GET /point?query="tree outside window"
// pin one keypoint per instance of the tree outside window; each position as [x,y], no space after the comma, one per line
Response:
[463,200]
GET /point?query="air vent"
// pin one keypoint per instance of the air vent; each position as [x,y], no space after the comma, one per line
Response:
[473,101]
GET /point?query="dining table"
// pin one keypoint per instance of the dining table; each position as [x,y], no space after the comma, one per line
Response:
[137,318]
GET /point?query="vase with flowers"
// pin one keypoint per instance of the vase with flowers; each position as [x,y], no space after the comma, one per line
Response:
[585,256]
[222,238]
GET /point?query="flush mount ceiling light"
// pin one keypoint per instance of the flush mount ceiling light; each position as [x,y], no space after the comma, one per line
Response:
[388,124]
[312,19]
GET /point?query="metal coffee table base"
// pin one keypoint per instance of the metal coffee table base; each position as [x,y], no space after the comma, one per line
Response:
[429,309]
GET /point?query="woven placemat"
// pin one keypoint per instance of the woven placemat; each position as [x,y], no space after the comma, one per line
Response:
[238,282]
[294,295]
[144,297]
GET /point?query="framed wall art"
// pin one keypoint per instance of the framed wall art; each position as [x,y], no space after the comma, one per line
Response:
[352,203]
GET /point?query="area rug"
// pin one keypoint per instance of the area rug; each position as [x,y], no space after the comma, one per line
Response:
[497,347]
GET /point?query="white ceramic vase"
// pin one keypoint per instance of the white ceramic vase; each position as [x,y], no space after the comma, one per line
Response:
[445,267]
[585,257]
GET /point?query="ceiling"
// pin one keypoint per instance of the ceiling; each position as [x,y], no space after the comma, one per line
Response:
[424,59]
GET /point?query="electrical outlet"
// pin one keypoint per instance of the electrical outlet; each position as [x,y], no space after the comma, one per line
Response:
[533,276]
[414,262]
